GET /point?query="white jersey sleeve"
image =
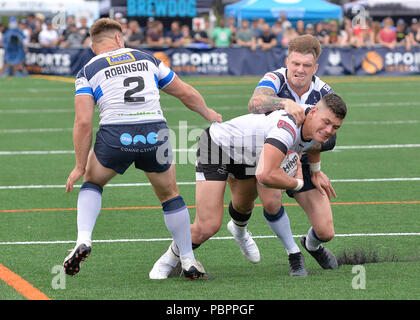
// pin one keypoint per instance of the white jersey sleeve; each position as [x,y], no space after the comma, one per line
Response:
[82,85]
[284,134]
[270,80]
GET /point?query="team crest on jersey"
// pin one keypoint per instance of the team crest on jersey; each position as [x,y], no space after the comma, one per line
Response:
[120,58]
[286,126]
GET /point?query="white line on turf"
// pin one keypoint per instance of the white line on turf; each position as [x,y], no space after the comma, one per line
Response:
[397,234]
[337,148]
[177,109]
[146,184]
[355,123]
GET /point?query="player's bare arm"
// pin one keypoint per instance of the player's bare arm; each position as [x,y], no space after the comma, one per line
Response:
[269,171]
[316,147]
[265,100]
[318,178]
[82,136]
[192,99]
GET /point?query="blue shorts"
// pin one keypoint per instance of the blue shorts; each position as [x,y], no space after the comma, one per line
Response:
[145,144]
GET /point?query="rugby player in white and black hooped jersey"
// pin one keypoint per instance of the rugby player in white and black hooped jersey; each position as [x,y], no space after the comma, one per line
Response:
[125,84]
[282,89]
[247,149]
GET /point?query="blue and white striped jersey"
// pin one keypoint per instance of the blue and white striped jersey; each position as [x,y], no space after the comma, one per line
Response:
[125,84]
[277,80]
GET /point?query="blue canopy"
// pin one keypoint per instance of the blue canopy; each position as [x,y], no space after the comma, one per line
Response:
[309,11]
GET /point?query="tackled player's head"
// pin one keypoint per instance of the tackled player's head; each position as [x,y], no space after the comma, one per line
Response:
[325,118]
[106,30]
[301,62]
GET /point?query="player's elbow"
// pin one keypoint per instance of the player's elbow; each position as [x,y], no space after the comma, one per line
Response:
[263,178]
[81,123]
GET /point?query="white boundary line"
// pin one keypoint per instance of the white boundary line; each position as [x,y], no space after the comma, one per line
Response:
[147,184]
[398,234]
[49,152]
[204,125]
[167,109]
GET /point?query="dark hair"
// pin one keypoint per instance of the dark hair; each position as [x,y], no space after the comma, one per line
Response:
[306,44]
[337,105]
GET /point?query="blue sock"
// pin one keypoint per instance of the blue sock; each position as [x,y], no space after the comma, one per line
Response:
[177,220]
[280,225]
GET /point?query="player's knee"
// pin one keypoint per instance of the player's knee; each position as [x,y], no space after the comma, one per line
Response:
[201,232]
[272,206]
[243,207]
[325,234]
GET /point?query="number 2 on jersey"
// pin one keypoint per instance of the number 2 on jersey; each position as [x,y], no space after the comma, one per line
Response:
[140,86]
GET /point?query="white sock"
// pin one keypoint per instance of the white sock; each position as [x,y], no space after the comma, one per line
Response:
[177,220]
[89,204]
[280,224]
[312,241]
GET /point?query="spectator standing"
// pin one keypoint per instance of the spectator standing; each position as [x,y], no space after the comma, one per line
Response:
[267,39]
[321,33]
[186,35]
[255,28]
[363,36]
[334,36]
[277,30]
[48,37]
[387,36]
[402,35]
[135,34]
[288,36]
[222,35]
[174,37]
[14,50]
[74,38]
[414,33]
[200,35]
[26,30]
[245,37]
[347,35]
[300,27]
[233,28]
[310,29]
[83,28]
[154,34]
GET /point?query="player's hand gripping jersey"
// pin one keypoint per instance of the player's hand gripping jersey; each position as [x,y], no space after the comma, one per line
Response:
[125,84]
[243,138]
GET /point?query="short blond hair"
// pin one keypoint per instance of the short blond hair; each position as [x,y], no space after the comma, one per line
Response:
[306,44]
[103,28]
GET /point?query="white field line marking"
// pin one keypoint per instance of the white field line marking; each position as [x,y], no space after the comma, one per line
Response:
[48,152]
[397,234]
[40,130]
[147,184]
[177,109]
[354,123]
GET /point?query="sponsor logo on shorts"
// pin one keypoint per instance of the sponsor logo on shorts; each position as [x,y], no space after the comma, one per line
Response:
[126,139]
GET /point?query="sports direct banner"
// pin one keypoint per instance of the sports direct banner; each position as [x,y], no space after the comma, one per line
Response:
[240,61]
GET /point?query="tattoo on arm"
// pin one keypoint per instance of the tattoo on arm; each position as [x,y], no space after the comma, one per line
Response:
[315,148]
[264,100]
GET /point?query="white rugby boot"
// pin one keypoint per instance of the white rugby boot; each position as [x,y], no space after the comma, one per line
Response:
[247,245]
[165,265]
